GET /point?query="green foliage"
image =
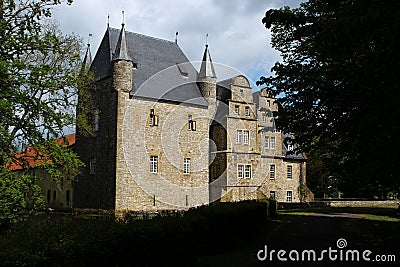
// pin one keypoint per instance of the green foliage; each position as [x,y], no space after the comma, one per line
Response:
[159,241]
[39,81]
[338,79]
[19,197]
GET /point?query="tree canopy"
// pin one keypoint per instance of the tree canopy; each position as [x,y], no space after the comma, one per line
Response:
[338,81]
[39,80]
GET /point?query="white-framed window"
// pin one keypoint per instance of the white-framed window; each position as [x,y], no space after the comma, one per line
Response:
[247,111]
[153,118]
[238,136]
[289,172]
[267,142]
[272,142]
[153,164]
[272,171]
[272,195]
[247,171]
[289,196]
[191,123]
[96,120]
[245,137]
[236,109]
[92,165]
[240,171]
[186,165]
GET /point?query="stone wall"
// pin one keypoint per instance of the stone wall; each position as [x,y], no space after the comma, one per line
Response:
[171,141]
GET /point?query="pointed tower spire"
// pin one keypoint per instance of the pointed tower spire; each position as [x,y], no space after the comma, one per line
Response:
[121,50]
[87,60]
[207,67]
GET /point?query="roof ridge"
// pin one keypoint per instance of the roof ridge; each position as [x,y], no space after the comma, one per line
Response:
[147,36]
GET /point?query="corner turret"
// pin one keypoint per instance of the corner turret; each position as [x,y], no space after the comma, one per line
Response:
[122,64]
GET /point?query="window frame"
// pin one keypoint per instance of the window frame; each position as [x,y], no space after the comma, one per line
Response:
[272,142]
[289,199]
[272,170]
[186,165]
[240,171]
[247,111]
[247,171]
[237,109]
[272,192]
[239,136]
[267,142]
[246,137]
[153,164]
[289,177]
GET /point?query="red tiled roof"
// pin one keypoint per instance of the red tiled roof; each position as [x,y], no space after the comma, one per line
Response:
[29,158]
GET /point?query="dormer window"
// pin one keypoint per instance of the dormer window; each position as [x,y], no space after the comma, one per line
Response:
[153,118]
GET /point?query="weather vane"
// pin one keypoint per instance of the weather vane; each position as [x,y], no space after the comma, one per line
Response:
[176,37]
[123,17]
[88,39]
[206,39]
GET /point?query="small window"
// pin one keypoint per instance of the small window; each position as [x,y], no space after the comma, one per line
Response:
[153,118]
[239,137]
[289,172]
[272,195]
[247,111]
[267,142]
[191,123]
[247,171]
[288,196]
[237,109]
[92,165]
[153,164]
[272,172]
[272,143]
[245,137]
[240,171]
[96,120]
[186,165]
[268,103]
[68,197]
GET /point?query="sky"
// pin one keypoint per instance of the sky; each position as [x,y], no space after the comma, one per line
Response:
[236,36]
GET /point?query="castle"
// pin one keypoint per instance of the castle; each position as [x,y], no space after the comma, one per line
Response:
[170,137]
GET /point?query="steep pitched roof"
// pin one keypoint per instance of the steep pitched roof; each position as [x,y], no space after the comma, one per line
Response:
[176,77]
[121,50]
[87,60]
[207,67]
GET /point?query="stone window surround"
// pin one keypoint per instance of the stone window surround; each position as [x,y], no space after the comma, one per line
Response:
[289,195]
[289,172]
[243,137]
[186,165]
[272,170]
[243,171]
[153,164]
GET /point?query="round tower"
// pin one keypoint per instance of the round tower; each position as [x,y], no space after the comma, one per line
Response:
[207,80]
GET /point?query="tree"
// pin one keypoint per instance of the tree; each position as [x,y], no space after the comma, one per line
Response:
[339,80]
[39,78]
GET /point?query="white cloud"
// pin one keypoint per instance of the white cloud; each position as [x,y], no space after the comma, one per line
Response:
[236,35]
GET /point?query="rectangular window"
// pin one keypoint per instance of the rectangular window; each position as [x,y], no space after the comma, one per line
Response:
[247,111]
[288,196]
[272,143]
[267,142]
[272,172]
[68,197]
[240,171]
[186,165]
[96,121]
[190,119]
[272,195]
[153,118]
[246,137]
[289,172]
[268,103]
[247,171]
[153,164]
[236,109]
[92,165]
[239,137]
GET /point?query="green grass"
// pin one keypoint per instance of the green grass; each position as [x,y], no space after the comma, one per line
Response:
[372,217]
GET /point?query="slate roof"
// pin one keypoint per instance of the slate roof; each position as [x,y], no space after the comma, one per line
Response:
[175,80]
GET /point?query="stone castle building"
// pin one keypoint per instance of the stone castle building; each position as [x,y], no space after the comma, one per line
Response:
[170,137]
